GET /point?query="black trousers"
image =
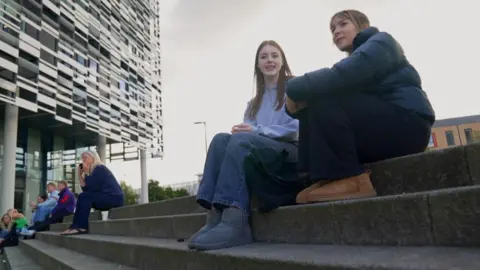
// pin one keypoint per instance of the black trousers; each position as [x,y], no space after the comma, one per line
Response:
[340,133]
[55,218]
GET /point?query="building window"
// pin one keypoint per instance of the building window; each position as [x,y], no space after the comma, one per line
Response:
[469,135]
[47,57]
[30,30]
[80,60]
[450,138]
[48,41]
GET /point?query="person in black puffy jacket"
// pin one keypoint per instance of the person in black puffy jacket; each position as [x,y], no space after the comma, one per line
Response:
[368,107]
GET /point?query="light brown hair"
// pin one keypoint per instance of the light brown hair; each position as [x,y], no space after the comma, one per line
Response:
[5,226]
[52,184]
[359,19]
[63,182]
[96,161]
[284,74]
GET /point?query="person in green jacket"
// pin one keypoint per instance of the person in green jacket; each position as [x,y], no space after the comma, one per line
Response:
[19,224]
[18,219]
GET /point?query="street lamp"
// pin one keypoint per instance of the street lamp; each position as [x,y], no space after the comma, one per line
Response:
[205,131]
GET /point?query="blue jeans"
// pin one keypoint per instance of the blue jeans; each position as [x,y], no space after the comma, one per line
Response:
[3,233]
[42,213]
[224,180]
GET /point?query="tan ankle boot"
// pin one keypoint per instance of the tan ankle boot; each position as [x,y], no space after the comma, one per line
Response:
[354,187]
[302,196]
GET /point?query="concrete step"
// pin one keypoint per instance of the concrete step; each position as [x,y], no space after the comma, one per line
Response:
[447,168]
[95,215]
[451,167]
[448,217]
[55,257]
[17,259]
[182,205]
[150,253]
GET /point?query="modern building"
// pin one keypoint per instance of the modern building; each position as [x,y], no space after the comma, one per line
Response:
[74,75]
[455,131]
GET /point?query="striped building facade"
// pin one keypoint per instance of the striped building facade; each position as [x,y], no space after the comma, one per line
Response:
[94,62]
[76,75]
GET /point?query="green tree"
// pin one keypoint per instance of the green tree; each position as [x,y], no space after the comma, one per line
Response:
[180,193]
[159,193]
[130,195]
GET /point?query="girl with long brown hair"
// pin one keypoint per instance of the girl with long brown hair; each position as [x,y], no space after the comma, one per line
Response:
[5,225]
[254,159]
[368,107]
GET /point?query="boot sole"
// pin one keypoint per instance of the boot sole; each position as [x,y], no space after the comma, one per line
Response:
[193,238]
[220,246]
[318,198]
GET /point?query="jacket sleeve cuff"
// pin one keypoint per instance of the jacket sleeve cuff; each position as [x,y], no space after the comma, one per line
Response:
[297,88]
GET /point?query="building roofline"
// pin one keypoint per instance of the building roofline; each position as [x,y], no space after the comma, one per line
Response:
[457,121]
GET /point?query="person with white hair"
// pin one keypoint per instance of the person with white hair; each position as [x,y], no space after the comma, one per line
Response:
[101,191]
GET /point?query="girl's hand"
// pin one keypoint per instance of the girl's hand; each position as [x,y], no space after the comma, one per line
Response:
[242,128]
[17,215]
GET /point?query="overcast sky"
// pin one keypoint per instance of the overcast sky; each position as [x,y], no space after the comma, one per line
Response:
[208,49]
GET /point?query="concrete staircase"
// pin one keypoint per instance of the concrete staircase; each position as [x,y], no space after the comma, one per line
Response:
[426,217]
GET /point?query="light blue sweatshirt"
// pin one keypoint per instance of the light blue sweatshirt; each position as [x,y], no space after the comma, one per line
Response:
[271,123]
[51,201]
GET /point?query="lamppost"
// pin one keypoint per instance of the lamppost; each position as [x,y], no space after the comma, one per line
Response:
[205,132]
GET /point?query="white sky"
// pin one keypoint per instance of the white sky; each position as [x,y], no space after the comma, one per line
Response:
[208,49]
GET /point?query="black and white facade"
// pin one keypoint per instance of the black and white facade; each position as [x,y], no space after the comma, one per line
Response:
[85,70]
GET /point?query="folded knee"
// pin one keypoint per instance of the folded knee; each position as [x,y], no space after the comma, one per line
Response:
[220,139]
[243,139]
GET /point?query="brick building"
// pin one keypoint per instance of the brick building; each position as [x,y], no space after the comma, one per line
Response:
[455,131]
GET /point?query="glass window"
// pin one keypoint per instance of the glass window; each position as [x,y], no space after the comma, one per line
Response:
[450,138]
[81,60]
[48,57]
[469,135]
[30,30]
[123,85]
[93,65]
[48,40]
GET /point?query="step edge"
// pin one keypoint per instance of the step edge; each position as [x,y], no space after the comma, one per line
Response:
[234,254]
[65,263]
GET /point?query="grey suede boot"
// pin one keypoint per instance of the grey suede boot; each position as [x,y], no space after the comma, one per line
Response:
[213,219]
[233,230]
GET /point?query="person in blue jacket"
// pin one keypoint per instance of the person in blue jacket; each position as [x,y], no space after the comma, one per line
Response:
[101,191]
[44,209]
[267,137]
[368,107]
[64,207]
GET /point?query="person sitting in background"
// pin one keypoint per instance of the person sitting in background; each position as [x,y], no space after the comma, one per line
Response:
[101,191]
[64,207]
[5,225]
[10,238]
[44,209]
[40,199]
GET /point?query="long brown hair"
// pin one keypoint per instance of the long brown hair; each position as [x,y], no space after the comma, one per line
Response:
[3,225]
[359,19]
[284,74]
